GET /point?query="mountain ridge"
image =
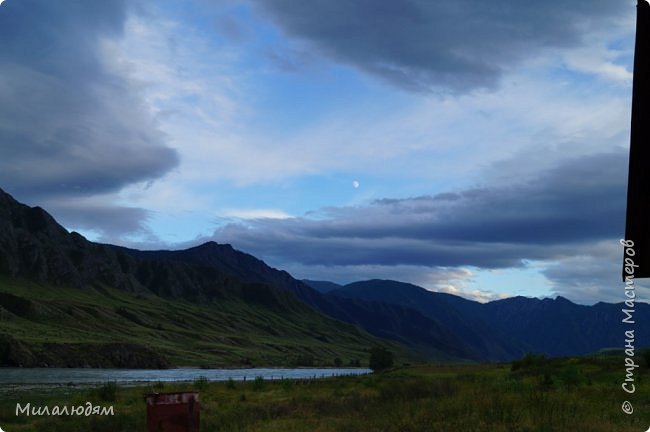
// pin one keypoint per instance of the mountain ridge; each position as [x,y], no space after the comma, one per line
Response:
[40,259]
[555,327]
[394,322]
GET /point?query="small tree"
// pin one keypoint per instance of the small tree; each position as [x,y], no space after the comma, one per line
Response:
[338,362]
[380,359]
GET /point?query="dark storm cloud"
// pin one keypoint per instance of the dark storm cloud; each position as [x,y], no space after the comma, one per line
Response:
[69,124]
[577,203]
[423,45]
[111,221]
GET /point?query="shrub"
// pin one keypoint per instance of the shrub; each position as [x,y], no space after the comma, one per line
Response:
[380,359]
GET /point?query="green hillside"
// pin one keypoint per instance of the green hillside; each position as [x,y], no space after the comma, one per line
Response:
[103,327]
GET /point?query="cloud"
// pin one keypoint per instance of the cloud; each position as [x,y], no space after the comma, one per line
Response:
[97,214]
[457,281]
[453,45]
[567,217]
[598,63]
[255,214]
[571,206]
[91,93]
[593,274]
[69,125]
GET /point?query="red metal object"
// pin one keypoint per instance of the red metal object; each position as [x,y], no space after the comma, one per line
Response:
[173,412]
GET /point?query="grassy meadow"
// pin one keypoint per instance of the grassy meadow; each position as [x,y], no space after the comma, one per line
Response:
[581,394]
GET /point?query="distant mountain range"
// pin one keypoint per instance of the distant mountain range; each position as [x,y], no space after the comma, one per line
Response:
[507,328]
[35,248]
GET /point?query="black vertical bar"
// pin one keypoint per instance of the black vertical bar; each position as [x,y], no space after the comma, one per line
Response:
[637,220]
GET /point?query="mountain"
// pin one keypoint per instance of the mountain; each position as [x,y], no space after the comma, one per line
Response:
[437,325]
[395,322]
[66,301]
[322,286]
[33,246]
[559,327]
[510,327]
[459,316]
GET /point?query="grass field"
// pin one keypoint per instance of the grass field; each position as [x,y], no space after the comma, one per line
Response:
[582,395]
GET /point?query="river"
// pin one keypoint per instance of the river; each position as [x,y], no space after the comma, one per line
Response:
[72,376]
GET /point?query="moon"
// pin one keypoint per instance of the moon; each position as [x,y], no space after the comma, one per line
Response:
[356,184]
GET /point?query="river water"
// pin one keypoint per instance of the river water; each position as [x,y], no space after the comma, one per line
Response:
[55,376]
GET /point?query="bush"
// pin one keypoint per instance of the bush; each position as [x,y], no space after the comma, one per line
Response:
[380,359]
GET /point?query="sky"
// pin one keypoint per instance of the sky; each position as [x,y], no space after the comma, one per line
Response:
[470,147]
